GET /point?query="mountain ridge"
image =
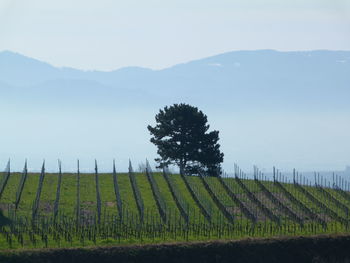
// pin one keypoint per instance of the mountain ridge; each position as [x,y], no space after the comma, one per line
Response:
[260,78]
[28,58]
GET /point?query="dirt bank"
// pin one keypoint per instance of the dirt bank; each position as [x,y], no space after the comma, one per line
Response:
[295,249]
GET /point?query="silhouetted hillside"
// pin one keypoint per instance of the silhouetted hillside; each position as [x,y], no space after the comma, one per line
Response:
[263,79]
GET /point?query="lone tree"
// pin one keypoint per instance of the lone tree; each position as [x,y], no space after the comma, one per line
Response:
[182,137]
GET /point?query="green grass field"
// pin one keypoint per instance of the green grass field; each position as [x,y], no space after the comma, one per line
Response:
[45,230]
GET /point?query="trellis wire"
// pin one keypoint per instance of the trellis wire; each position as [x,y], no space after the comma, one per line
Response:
[38,192]
[60,229]
[181,204]
[156,193]
[267,212]
[248,214]
[198,198]
[98,194]
[136,191]
[21,185]
[216,200]
[77,205]
[275,200]
[117,192]
[58,190]
[5,178]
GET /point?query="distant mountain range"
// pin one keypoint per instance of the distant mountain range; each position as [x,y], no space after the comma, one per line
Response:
[262,79]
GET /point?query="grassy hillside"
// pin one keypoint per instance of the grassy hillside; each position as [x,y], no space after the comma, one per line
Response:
[216,208]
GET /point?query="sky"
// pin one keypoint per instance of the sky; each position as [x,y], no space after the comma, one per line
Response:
[110,34]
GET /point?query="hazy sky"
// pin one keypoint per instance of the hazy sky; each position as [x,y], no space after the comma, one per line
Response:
[109,34]
[311,142]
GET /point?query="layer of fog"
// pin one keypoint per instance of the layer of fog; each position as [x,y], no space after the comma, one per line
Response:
[306,141]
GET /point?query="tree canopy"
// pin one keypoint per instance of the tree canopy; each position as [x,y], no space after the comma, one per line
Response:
[182,137]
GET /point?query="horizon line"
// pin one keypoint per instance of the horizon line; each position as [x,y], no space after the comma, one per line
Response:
[168,67]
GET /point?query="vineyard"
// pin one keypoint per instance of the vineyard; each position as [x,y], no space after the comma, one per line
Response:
[80,209]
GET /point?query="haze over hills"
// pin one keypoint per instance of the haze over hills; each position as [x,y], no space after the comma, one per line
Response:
[289,109]
[263,79]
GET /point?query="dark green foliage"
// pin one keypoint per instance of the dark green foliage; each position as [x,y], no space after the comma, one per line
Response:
[4,220]
[182,137]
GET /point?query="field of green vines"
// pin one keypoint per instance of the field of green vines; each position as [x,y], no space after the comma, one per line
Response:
[79,209]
